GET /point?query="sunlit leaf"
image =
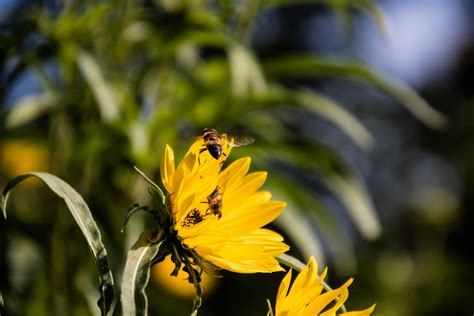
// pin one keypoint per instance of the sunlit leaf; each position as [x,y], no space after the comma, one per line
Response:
[307,203]
[30,108]
[340,7]
[152,185]
[246,73]
[347,187]
[137,272]
[305,65]
[354,196]
[321,106]
[106,98]
[83,217]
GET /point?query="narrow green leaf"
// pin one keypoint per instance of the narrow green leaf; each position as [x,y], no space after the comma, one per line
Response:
[247,76]
[152,184]
[349,189]
[353,194]
[321,106]
[338,5]
[106,100]
[373,9]
[29,108]
[307,65]
[83,217]
[130,211]
[270,309]
[300,199]
[137,272]
[335,113]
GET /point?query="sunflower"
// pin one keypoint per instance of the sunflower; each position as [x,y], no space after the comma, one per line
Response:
[219,215]
[305,296]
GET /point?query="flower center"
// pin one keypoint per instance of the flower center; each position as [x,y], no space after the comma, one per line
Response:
[192,218]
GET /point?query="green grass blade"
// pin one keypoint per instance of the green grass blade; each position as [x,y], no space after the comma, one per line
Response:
[105,96]
[83,217]
[152,184]
[321,106]
[306,65]
[137,272]
[29,108]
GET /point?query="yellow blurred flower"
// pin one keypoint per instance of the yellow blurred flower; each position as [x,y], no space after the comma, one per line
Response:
[179,285]
[21,156]
[306,297]
[230,238]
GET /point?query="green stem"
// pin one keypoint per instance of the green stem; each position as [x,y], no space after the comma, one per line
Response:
[295,264]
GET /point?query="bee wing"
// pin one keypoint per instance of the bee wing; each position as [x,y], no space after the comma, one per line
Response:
[239,141]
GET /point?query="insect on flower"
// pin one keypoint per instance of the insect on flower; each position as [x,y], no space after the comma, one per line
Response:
[215,203]
[213,142]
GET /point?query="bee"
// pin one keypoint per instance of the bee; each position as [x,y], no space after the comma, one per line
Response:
[213,142]
[215,203]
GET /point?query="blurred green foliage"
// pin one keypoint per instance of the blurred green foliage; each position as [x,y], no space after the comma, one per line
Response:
[120,79]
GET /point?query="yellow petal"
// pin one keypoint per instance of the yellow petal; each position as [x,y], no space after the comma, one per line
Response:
[167,169]
[323,300]
[282,291]
[231,176]
[256,264]
[365,312]
[251,219]
[306,276]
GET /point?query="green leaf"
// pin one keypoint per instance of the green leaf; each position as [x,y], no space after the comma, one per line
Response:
[1,303]
[152,184]
[345,185]
[29,108]
[137,272]
[340,7]
[336,114]
[321,106]
[354,196]
[270,309]
[301,200]
[307,65]
[83,217]
[132,210]
[247,76]
[105,96]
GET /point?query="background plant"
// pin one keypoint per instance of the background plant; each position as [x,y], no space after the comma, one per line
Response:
[115,81]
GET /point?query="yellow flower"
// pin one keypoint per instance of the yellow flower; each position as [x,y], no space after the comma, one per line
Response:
[230,237]
[306,297]
[179,285]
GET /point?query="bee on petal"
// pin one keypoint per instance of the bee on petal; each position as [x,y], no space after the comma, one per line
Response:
[215,203]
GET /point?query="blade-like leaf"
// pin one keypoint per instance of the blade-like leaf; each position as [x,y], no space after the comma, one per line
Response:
[130,211]
[352,193]
[83,217]
[152,184]
[137,272]
[29,108]
[306,65]
[347,187]
[335,113]
[321,106]
[338,5]
[247,76]
[106,98]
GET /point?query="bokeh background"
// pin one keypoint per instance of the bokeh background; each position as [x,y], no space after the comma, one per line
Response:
[379,185]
